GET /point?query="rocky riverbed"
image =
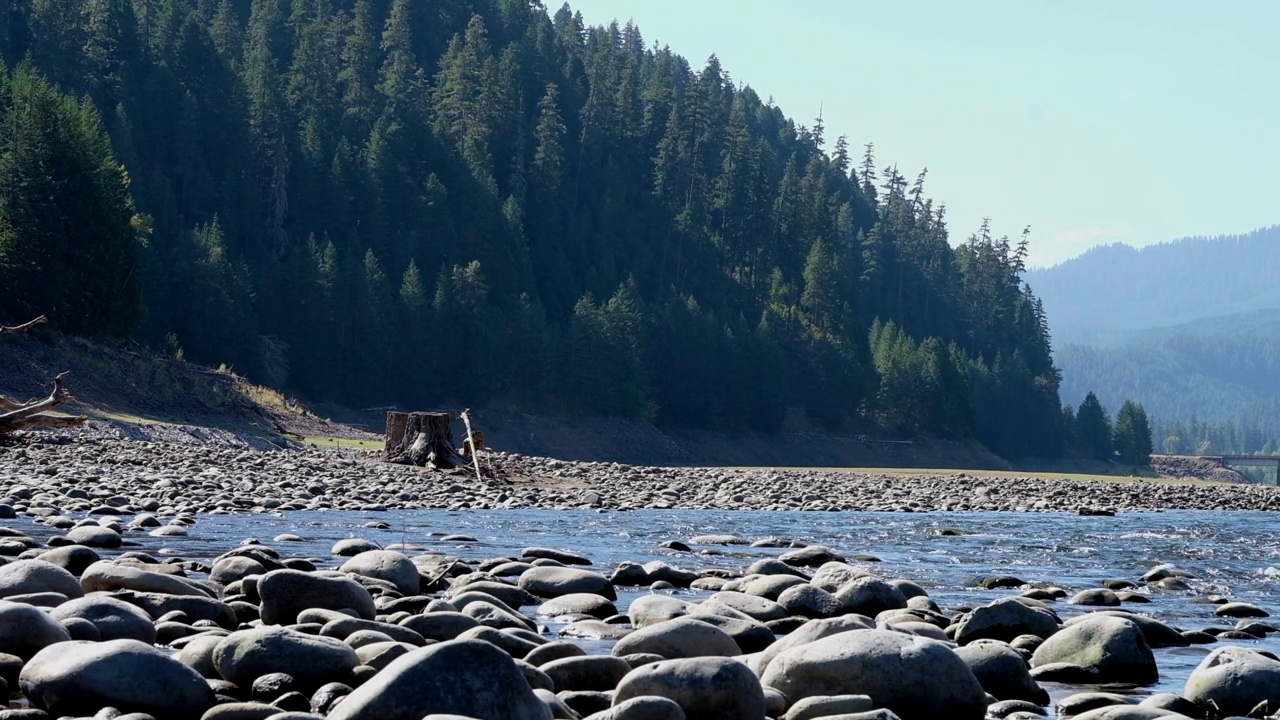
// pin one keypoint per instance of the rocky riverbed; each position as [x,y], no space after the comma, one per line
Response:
[205,471]
[105,616]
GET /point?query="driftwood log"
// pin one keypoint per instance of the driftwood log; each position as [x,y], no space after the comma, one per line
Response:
[15,416]
[424,439]
[19,416]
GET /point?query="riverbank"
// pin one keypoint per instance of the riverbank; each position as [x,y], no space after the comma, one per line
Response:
[202,470]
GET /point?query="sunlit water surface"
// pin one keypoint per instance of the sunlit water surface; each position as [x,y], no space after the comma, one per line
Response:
[1236,554]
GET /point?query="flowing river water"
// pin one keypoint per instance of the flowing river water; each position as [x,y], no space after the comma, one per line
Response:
[1235,554]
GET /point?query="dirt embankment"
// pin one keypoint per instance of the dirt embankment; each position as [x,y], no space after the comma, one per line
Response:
[798,444]
[1201,468]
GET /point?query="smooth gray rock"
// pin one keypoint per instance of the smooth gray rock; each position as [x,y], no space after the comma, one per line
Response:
[440,626]
[1002,672]
[75,559]
[682,637]
[285,593]
[81,678]
[591,672]
[312,660]
[552,582]
[1005,619]
[27,577]
[917,678]
[652,609]
[394,567]
[1236,680]
[461,677]
[645,707]
[578,604]
[107,576]
[95,536]
[821,706]
[1113,647]
[115,619]
[707,688]
[810,632]
[870,596]
[26,630]
[235,567]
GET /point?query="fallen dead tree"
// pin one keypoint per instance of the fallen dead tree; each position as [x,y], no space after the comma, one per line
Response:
[15,416]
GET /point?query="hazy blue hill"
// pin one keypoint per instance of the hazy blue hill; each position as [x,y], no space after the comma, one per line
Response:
[1113,292]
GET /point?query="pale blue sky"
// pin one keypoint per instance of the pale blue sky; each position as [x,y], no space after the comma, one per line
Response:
[1092,121]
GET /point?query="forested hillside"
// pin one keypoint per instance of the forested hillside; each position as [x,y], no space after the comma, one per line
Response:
[1112,292]
[1213,385]
[444,201]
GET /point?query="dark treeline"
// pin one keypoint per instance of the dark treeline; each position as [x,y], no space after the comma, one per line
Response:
[375,201]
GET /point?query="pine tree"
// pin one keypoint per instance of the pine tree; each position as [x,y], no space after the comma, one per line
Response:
[1093,429]
[1132,435]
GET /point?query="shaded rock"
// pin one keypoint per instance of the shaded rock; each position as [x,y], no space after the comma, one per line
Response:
[1002,672]
[26,630]
[81,678]
[707,688]
[820,706]
[245,655]
[285,593]
[461,677]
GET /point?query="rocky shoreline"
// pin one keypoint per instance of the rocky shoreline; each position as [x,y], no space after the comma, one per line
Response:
[92,627]
[204,471]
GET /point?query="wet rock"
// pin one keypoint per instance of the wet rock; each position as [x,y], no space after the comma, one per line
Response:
[1114,648]
[592,672]
[824,706]
[1240,610]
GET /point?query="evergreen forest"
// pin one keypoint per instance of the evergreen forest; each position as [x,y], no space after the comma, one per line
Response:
[445,202]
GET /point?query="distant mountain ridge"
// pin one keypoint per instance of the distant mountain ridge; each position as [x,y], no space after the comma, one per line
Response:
[1111,292]
[1190,328]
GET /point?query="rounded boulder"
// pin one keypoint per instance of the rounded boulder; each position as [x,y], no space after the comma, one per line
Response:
[285,593]
[1236,680]
[707,688]
[915,677]
[312,660]
[553,582]
[1112,648]
[115,619]
[470,678]
[396,568]
[81,678]
[27,577]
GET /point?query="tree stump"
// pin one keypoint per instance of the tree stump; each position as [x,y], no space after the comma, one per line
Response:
[423,439]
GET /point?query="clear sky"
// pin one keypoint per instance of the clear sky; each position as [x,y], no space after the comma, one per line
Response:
[1092,121]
